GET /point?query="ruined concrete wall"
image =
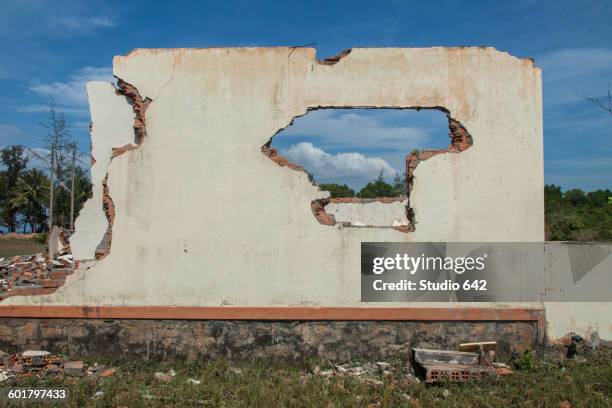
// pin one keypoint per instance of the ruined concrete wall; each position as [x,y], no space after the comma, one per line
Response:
[111,127]
[241,340]
[202,217]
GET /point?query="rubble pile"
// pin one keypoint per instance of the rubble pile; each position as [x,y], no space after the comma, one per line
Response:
[366,372]
[42,363]
[35,274]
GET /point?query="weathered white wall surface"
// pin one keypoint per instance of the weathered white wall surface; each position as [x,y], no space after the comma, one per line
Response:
[369,214]
[204,218]
[112,120]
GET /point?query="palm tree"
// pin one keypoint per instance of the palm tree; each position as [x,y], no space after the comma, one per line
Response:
[30,198]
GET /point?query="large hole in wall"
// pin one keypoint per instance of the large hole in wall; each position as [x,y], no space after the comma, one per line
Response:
[365,159]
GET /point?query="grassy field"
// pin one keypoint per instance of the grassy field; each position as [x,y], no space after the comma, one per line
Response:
[265,384]
[11,247]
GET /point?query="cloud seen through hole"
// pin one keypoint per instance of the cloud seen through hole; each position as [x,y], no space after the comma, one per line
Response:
[352,146]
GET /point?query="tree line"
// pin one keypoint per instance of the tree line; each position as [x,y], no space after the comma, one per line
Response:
[25,190]
[374,189]
[573,215]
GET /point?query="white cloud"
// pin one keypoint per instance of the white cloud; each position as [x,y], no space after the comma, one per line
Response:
[57,18]
[13,134]
[570,73]
[355,130]
[40,108]
[39,158]
[82,23]
[339,167]
[70,96]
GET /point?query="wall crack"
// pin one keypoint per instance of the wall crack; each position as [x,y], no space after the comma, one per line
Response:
[139,107]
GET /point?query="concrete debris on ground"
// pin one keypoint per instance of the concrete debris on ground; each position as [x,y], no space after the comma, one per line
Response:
[44,363]
[163,377]
[473,361]
[36,274]
[366,372]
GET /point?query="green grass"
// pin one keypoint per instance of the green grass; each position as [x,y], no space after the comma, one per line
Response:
[270,384]
[11,247]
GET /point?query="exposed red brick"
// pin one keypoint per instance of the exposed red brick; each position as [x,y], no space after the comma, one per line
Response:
[30,291]
[318,209]
[109,210]
[52,283]
[139,106]
[120,150]
[278,159]
[334,60]
[403,228]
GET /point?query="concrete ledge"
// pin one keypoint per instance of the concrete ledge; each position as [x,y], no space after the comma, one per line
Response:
[277,313]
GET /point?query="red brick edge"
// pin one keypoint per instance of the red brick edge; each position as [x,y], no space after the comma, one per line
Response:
[276,313]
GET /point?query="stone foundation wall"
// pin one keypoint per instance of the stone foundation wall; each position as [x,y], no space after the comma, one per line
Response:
[240,340]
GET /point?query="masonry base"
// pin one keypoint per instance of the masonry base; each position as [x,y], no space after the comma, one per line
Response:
[241,340]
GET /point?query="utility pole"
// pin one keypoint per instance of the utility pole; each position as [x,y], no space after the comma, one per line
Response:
[52,182]
[72,188]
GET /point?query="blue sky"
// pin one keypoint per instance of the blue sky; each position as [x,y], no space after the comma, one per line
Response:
[54,47]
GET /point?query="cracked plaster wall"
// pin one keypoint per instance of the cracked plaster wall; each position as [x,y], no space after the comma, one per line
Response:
[203,218]
[112,120]
[374,213]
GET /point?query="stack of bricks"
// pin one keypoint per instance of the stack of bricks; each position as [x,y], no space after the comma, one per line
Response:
[39,363]
[34,274]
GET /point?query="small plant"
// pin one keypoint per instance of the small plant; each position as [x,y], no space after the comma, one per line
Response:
[527,361]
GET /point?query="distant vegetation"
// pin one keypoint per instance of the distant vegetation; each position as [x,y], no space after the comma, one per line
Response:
[377,188]
[24,193]
[25,189]
[574,215]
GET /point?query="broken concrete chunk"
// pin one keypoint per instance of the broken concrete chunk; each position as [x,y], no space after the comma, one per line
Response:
[35,353]
[427,356]
[74,368]
[486,351]
[163,377]
[383,365]
[35,358]
[340,368]
[326,373]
